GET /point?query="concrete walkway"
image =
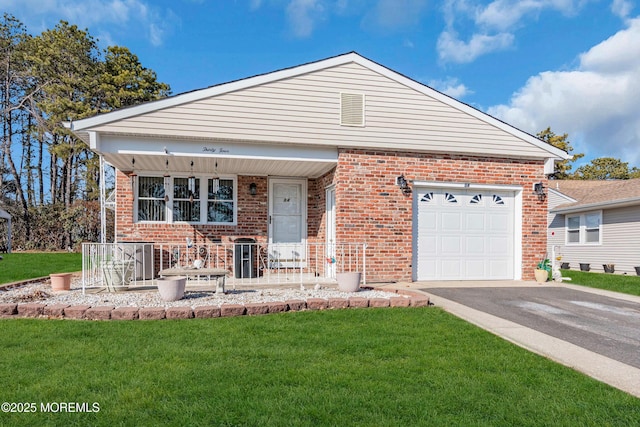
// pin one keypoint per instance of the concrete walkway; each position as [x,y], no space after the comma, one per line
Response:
[602,368]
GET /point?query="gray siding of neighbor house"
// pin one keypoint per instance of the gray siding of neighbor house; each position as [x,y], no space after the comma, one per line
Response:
[620,241]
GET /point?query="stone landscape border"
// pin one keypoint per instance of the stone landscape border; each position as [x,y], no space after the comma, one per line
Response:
[86,312]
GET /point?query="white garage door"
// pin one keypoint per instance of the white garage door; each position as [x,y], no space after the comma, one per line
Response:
[463,234]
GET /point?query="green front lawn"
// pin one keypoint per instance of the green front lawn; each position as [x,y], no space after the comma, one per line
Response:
[382,367]
[612,282]
[29,265]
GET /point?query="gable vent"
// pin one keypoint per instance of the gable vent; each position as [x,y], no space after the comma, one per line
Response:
[352,109]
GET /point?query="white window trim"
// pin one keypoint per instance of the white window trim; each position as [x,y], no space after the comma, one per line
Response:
[204,197]
[136,190]
[204,182]
[582,240]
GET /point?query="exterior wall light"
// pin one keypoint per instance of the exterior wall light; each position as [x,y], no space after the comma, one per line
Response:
[253,189]
[538,190]
[401,181]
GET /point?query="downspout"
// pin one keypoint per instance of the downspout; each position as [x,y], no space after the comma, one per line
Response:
[103,210]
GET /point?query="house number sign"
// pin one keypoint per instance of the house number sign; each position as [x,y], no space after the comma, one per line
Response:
[218,150]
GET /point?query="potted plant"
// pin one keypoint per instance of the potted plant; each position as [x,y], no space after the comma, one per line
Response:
[609,268]
[637,270]
[584,266]
[542,271]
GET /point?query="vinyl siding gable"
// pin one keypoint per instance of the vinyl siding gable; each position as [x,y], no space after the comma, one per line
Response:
[305,109]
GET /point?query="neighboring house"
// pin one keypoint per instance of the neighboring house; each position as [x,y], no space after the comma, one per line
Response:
[596,222]
[338,150]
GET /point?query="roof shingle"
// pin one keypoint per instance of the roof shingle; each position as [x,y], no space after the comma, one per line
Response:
[589,192]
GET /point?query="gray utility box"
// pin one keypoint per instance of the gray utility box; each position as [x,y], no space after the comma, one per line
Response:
[142,255]
[246,259]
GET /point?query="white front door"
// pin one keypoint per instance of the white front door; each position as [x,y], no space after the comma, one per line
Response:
[287,222]
[331,231]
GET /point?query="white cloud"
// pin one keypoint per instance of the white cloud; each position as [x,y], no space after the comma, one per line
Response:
[450,86]
[100,16]
[492,26]
[621,8]
[452,49]
[504,15]
[596,104]
[303,15]
[395,14]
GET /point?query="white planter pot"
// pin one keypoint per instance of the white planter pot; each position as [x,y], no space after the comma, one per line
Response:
[172,289]
[348,282]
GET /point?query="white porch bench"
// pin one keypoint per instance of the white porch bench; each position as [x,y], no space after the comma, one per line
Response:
[219,274]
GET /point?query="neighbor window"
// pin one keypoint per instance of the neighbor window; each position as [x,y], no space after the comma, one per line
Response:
[584,228]
[200,199]
[573,229]
[592,227]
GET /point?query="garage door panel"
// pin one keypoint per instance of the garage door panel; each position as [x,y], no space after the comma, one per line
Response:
[428,221]
[450,221]
[499,245]
[428,246]
[474,269]
[451,245]
[451,269]
[427,269]
[475,222]
[463,234]
[475,245]
[499,268]
[500,223]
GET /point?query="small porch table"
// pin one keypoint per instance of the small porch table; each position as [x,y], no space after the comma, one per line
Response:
[219,274]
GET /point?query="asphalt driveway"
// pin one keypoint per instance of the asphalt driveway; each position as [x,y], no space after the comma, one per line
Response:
[604,325]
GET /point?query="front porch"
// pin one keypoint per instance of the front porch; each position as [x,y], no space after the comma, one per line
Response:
[123,266]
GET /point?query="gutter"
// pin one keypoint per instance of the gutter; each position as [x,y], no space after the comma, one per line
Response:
[600,205]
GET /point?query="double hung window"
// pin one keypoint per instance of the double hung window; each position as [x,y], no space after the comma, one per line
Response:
[584,229]
[151,200]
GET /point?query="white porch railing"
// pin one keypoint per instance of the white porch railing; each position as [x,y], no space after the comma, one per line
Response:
[116,266]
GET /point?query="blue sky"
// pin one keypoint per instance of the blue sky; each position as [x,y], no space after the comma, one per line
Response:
[573,65]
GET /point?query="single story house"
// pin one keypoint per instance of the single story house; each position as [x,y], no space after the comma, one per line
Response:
[596,222]
[341,150]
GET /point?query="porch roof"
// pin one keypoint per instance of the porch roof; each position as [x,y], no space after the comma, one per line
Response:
[221,157]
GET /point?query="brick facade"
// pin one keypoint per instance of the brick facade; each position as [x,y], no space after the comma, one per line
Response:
[370,207]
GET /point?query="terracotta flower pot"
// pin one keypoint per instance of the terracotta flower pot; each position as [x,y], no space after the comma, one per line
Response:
[60,281]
